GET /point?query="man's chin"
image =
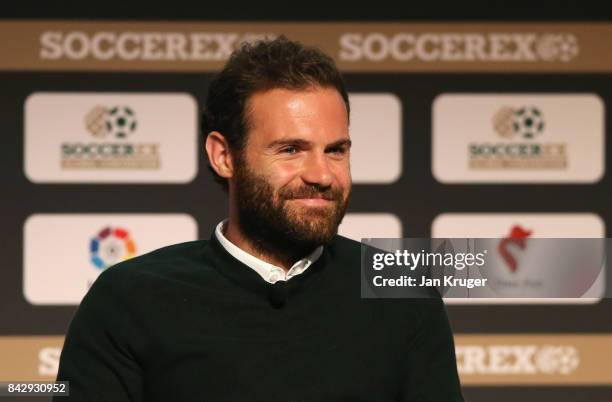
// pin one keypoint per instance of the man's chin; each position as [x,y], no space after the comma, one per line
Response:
[312,234]
[312,224]
[308,243]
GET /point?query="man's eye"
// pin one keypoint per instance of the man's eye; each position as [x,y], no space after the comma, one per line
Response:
[289,150]
[339,150]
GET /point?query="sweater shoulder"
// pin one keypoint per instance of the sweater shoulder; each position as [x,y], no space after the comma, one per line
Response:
[345,251]
[344,244]
[164,262]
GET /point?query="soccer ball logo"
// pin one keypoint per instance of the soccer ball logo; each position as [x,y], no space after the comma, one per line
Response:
[527,122]
[121,121]
[118,121]
[557,359]
[562,47]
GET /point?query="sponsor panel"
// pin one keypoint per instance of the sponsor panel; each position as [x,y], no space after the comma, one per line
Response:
[356,47]
[482,360]
[533,359]
[32,358]
[357,226]
[65,253]
[502,225]
[376,133]
[519,138]
[514,231]
[110,138]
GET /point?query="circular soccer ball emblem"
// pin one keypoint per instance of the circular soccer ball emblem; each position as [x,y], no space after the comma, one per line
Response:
[528,122]
[110,246]
[561,47]
[557,359]
[120,121]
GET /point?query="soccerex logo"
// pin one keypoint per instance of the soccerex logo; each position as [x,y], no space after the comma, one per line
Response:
[106,124]
[526,122]
[515,125]
[562,47]
[459,47]
[118,121]
[110,246]
[517,359]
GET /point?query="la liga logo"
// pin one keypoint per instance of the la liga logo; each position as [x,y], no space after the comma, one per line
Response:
[110,246]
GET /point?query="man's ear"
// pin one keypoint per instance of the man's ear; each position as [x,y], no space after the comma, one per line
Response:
[219,154]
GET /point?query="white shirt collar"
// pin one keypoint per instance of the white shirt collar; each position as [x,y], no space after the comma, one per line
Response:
[269,272]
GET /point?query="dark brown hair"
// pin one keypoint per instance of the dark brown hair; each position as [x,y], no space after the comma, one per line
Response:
[261,66]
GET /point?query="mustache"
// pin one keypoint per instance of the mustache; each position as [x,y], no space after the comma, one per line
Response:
[330,194]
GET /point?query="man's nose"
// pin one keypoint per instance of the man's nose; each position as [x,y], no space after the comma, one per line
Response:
[316,170]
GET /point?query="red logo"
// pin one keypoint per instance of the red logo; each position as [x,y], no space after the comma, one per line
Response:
[517,237]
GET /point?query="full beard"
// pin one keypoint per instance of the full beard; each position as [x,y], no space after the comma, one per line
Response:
[276,223]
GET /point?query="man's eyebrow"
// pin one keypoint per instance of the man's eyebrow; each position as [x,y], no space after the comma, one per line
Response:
[341,143]
[288,141]
[300,142]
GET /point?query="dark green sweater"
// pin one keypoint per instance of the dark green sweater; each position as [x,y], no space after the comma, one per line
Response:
[189,322]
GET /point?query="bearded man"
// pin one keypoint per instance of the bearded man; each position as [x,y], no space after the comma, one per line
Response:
[269,308]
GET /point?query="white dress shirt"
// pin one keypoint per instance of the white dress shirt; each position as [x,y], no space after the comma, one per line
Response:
[269,272]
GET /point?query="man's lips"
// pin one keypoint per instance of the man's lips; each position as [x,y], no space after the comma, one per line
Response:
[313,201]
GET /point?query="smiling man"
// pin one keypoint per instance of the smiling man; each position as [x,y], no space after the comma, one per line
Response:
[289,184]
[269,308]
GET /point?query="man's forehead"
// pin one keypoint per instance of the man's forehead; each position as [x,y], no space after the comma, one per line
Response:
[299,110]
[297,102]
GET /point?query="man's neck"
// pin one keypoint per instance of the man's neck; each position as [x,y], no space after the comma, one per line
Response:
[281,258]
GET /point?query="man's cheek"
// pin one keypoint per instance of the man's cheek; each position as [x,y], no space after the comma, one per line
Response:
[285,169]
